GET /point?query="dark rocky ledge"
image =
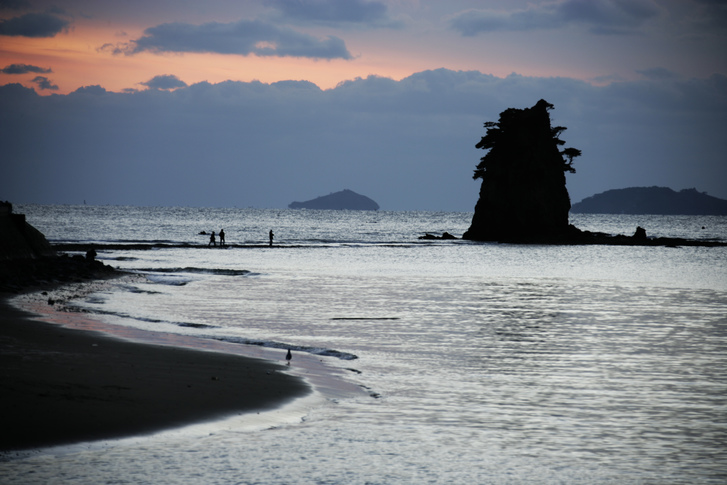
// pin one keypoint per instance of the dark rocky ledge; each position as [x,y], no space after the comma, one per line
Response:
[430,236]
[575,236]
[28,261]
[17,276]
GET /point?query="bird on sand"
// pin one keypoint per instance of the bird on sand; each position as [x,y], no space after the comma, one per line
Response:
[288,356]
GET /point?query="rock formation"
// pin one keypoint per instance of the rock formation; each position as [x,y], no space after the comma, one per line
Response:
[28,260]
[445,235]
[523,195]
[343,200]
[18,239]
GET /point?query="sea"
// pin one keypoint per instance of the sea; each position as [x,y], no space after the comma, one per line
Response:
[450,361]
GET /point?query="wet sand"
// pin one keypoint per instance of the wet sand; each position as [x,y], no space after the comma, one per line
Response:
[62,386]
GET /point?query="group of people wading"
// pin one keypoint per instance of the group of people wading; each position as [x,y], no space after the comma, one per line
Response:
[213,240]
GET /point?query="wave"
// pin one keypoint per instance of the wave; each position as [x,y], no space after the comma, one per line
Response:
[365,318]
[171,280]
[323,352]
[135,289]
[71,307]
[193,270]
[320,351]
[144,241]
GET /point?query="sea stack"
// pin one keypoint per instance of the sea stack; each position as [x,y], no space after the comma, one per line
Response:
[523,196]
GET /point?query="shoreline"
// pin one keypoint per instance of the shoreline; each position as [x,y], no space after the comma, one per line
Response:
[63,386]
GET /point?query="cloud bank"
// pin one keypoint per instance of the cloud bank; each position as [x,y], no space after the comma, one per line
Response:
[24,69]
[243,37]
[598,16]
[166,81]
[407,144]
[335,12]
[34,25]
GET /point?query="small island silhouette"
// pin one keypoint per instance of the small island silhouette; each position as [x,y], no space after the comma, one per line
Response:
[343,200]
[523,196]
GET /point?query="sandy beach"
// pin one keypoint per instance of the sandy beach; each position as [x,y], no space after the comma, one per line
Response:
[63,386]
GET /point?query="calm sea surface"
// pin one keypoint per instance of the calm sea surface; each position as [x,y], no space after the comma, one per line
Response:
[481,363]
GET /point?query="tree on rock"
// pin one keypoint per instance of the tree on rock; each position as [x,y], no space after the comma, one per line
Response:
[523,195]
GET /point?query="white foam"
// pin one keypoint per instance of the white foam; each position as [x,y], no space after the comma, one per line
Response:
[167,279]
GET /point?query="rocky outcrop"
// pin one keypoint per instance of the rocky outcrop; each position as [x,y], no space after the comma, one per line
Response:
[444,236]
[343,200]
[652,200]
[575,236]
[18,239]
[523,194]
[27,259]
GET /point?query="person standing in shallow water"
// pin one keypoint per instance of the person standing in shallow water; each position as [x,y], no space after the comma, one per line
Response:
[212,240]
[288,356]
[271,235]
[222,237]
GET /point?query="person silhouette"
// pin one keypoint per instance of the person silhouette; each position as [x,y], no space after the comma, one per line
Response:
[222,237]
[288,356]
[271,235]
[212,240]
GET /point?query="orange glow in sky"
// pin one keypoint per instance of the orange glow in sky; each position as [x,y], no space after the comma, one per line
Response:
[76,61]
[409,37]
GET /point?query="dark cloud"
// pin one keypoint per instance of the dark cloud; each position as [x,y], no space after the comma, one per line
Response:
[14,4]
[599,16]
[166,81]
[243,38]
[609,16]
[709,15]
[34,25]
[24,69]
[335,12]
[94,90]
[44,83]
[408,144]
[658,73]
[473,22]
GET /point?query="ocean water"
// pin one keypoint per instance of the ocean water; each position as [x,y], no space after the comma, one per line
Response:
[477,363]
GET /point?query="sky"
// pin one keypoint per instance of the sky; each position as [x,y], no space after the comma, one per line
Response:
[259,103]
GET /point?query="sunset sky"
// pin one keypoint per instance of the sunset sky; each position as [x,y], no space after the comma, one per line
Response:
[640,84]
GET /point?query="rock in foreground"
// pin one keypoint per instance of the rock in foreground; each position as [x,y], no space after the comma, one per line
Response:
[18,239]
[27,259]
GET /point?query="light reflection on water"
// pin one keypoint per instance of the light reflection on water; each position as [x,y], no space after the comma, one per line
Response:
[562,373]
[493,363]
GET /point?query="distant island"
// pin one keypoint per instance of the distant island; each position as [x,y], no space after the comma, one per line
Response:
[652,200]
[343,200]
